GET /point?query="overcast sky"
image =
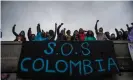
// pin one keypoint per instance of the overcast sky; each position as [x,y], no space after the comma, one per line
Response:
[73,14]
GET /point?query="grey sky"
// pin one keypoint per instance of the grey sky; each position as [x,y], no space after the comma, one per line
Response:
[73,14]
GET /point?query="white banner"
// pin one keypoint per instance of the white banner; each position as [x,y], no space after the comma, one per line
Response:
[130,46]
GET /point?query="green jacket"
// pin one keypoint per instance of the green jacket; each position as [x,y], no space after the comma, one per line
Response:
[90,38]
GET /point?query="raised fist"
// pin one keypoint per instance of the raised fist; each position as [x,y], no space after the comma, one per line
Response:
[38,24]
[14,25]
[62,23]
[97,20]
[126,24]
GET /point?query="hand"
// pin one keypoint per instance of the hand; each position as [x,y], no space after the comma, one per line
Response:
[55,24]
[126,24]
[97,21]
[14,25]
[38,24]
[62,23]
[29,28]
[64,28]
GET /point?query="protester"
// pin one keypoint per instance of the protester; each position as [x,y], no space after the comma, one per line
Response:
[130,35]
[68,35]
[90,36]
[75,36]
[61,35]
[129,28]
[107,35]
[100,35]
[20,36]
[52,34]
[81,34]
[112,37]
[31,36]
[119,35]
[125,34]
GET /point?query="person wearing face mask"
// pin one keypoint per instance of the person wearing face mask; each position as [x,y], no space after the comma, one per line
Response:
[90,36]
[100,35]
[20,36]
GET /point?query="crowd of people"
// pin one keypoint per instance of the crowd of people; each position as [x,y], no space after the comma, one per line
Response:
[78,35]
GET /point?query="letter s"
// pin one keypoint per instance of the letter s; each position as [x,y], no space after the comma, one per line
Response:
[85,54]
[49,46]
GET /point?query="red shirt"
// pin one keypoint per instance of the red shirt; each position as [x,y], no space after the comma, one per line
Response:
[82,37]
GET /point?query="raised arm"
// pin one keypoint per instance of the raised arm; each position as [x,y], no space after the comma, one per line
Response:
[29,34]
[122,30]
[96,30]
[38,28]
[64,31]
[55,32]
[128,28]
[117,33]
[58,29]
[13,30]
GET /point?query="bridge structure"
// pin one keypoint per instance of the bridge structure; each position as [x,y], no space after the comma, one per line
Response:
[10,53]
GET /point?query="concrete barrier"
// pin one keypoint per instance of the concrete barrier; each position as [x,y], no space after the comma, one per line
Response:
[10,52]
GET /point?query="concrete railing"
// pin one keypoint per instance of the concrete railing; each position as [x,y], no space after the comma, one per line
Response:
[10,52]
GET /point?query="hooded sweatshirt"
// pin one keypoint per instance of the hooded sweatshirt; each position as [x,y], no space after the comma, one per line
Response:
[39,37]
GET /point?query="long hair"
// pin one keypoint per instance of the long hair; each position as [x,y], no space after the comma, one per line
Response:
[90,33]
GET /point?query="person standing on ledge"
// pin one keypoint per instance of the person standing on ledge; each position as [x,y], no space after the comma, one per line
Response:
[100,34]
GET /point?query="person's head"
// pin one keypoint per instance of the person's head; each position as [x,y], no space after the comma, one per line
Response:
[32,36]
[62,32]
[81,31]
[51,33]
[68,32]
[107,33]
[132,23]
[75,32]
[22,33]
[120,33]
[47,34]
[43,34]
[101,29]
[112,36]
[90,33]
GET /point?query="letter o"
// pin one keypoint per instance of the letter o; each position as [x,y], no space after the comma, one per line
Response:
[33,65]
[62,49]
[66,66]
